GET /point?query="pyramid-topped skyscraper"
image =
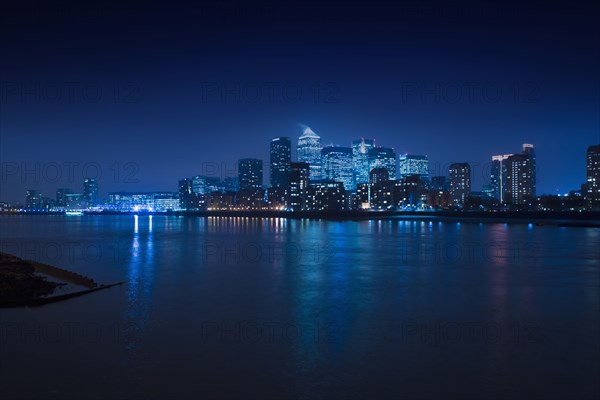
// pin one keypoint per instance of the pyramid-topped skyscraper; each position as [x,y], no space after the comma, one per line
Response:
[309,151]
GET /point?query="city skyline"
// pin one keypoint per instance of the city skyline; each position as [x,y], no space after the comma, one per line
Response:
[337,185]
[44,174]
[221,173]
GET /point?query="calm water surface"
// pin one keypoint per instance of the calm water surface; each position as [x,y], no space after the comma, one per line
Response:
[274,308]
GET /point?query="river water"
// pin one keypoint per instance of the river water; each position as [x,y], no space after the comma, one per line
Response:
[277,308]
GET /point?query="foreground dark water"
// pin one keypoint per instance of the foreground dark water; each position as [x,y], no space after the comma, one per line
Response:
[274,308]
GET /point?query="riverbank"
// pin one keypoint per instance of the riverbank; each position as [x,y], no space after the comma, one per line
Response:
[561,218]
[25,283]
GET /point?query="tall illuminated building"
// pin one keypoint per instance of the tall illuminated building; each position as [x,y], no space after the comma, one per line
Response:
[90,191]
[411,164]
[498,177]
[309,151]
[250,173]
[459,177]
[513,176]
[592,193]
[281,156]
[521,177]
[360,159]
[383,157]
[337,165]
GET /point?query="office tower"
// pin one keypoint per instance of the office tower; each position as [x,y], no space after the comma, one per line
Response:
[337,165]
[61,197]
[309,151]
[299,179]
[90,191]
[528,150]
[281,156]
[523,185]
[360,159]
[592,186]
[498,177]
[250,173]
[459,177]
[33,200]
[186,195]
[411,164]
[520,177]
[383,157]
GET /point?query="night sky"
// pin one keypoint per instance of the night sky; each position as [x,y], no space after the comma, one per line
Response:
[149,94]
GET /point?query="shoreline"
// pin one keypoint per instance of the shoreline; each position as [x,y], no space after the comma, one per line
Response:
[25,283]
[563,218]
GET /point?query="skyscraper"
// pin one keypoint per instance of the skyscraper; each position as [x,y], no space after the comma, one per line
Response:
[383,157]
[309,151]
[411,164]
[592,193]
[513,176]
[459,176]
[498,177]
[250,172]
[281,156]
[337,165]
[529,151]
[521,177]
[299,179]
[90,191]
[360,159]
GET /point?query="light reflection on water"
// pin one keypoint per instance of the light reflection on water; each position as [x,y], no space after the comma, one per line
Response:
[357,307]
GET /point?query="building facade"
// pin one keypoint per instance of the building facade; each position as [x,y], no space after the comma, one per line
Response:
[338,166]
[592,185]
[280,157]
[250,173]
[325,196]
[33,200]
[61,197]
[299,181]
[411,164]
[309,151]
[459,178]
[498,177]
[383,157]
[521,178]
[360,159]
[90,191]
